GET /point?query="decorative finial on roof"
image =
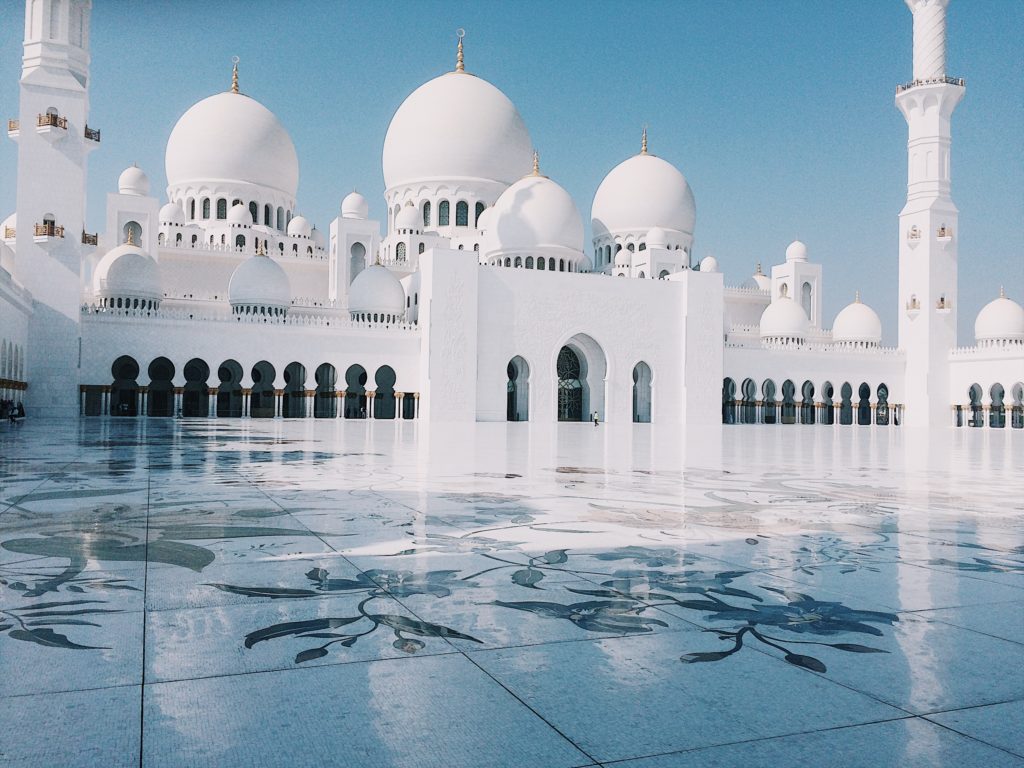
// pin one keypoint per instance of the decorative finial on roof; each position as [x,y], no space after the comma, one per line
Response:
[856,297]
[460,65]
[131,238]
[643,142]
[1002,291]
[234,74]
[536,163]
[758,271]
[259,248]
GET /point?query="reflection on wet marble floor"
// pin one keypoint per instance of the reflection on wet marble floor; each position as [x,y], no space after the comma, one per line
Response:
[246,593]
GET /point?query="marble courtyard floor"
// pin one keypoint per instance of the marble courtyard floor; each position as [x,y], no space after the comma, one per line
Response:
[247,593]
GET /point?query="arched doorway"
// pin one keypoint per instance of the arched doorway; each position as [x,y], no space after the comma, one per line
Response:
[580,368]
[768,402]
[997,411]
[748,409]
[846,404]
[125,389]
[788,402]
[229,394]
[195,400]
[357,260]
[161,388]
[517,401]
[864,405]
[262,400]
[325,403]
[294,404]
[882,406]
[728,401]
[977,415]
[642,393]
[355,392]
[1017,411]
[828,412]
[807,403]
[384,401]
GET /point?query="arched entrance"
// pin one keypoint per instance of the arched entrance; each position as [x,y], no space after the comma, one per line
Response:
[768,402]
[807,403]
[229,394]
[977,414]
[580,369]
[882,407]
[517,406]
[294,404]
[997,411]
[325,403]
[828,413]
[846,404]
[728,400]
[125,389]
[642,393]
[355,392]
[788,402]
[262,400]
[864,405]
[1017,412]
[161,388]
[195,400]
[748,409]
[357,260]
[384,400]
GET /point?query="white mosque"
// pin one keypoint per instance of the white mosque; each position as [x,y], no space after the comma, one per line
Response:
[477,299]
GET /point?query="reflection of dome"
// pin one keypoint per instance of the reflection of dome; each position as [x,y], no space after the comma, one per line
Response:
[709,264]
[456,126]
[796,251]
[125,276]
[640,193]
[133,181]
[536,215]
[171,213]
[784,321]
[354,206]
[657,238]
[376,295]
[299,227]
[408,219]
[1000,321]
[239,215]
[229,137]
[857,324]
[259,286]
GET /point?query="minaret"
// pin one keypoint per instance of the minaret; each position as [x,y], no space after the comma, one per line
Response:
[53,144]
[928,222]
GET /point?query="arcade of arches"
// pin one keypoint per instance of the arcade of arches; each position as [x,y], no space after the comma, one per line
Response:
[769,403]
[355,394]
[997,411]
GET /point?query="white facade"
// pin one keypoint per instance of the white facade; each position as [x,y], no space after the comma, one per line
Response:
[477,298]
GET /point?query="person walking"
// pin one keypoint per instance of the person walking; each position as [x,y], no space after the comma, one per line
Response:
[595,418]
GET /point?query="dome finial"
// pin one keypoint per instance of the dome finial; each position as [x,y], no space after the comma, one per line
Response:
[234,74]
[460,65]
[259,248]
[1002,291]
[758,270]
[536,163]
[131,238]
[643,142]
[856,297]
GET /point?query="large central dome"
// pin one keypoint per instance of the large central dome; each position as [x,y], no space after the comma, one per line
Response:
[456,126]
[231,137]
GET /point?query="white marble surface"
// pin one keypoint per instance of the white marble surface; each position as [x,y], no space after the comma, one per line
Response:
[387,593]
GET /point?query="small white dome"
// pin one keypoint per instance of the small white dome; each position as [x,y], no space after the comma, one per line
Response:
[354,206]
[408,218]
[796,251]
[1000,320]
[657,238]
[127,272]
[483,223]
[259,281]
[456,126]
[784,319]
[171,213]
[640,193]
[376,291]
[857,323]
[229,137]
[535,214]
[709,264]
[299,227]
[239,215]
[133,181]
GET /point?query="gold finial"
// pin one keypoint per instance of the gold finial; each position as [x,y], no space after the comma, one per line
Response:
[536,163]
[259,248]
[1002,291]
[234,74]
[643,142]
[460,65]
[856,297]
[131,239]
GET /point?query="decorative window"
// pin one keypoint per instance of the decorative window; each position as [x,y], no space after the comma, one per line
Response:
[529,262]
[480,208]
[442,213]
[400,252]
[462,214]
[254,212]
[206,207]
[240,241]
[222,208]
[280,219]
[426,214]
[422,248]
[192,209]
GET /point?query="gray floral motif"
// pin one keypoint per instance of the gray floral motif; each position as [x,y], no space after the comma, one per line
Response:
[618,616]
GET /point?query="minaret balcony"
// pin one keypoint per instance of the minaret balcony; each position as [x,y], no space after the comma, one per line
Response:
[913,308]
[10,233]
[944,236]
[90,239]
[92,134]
[943,307]
[913,237]
[13,129]
[931,81]
[47,234]
[52,127]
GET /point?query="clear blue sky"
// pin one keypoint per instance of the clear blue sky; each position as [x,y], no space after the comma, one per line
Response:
[779,113]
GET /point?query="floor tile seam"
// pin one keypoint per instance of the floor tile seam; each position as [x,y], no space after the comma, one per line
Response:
[1013,700]
[566,640]
[755,740]
[949,623]
[62,691]
[964,575]
[34,488]
[973,738]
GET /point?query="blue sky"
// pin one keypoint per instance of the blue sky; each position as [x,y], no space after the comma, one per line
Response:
[780,114]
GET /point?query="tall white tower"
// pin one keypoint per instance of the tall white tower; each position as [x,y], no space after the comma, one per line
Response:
[928,222]
[53,144]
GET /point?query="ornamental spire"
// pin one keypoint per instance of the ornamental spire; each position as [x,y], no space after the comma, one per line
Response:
[259,248]
[1002,291]
[856,297]
[131,238]
[643,142]
[536,163]
[460,65]
[234,74]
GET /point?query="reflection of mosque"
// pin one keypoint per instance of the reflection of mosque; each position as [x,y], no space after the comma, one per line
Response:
[477,298]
